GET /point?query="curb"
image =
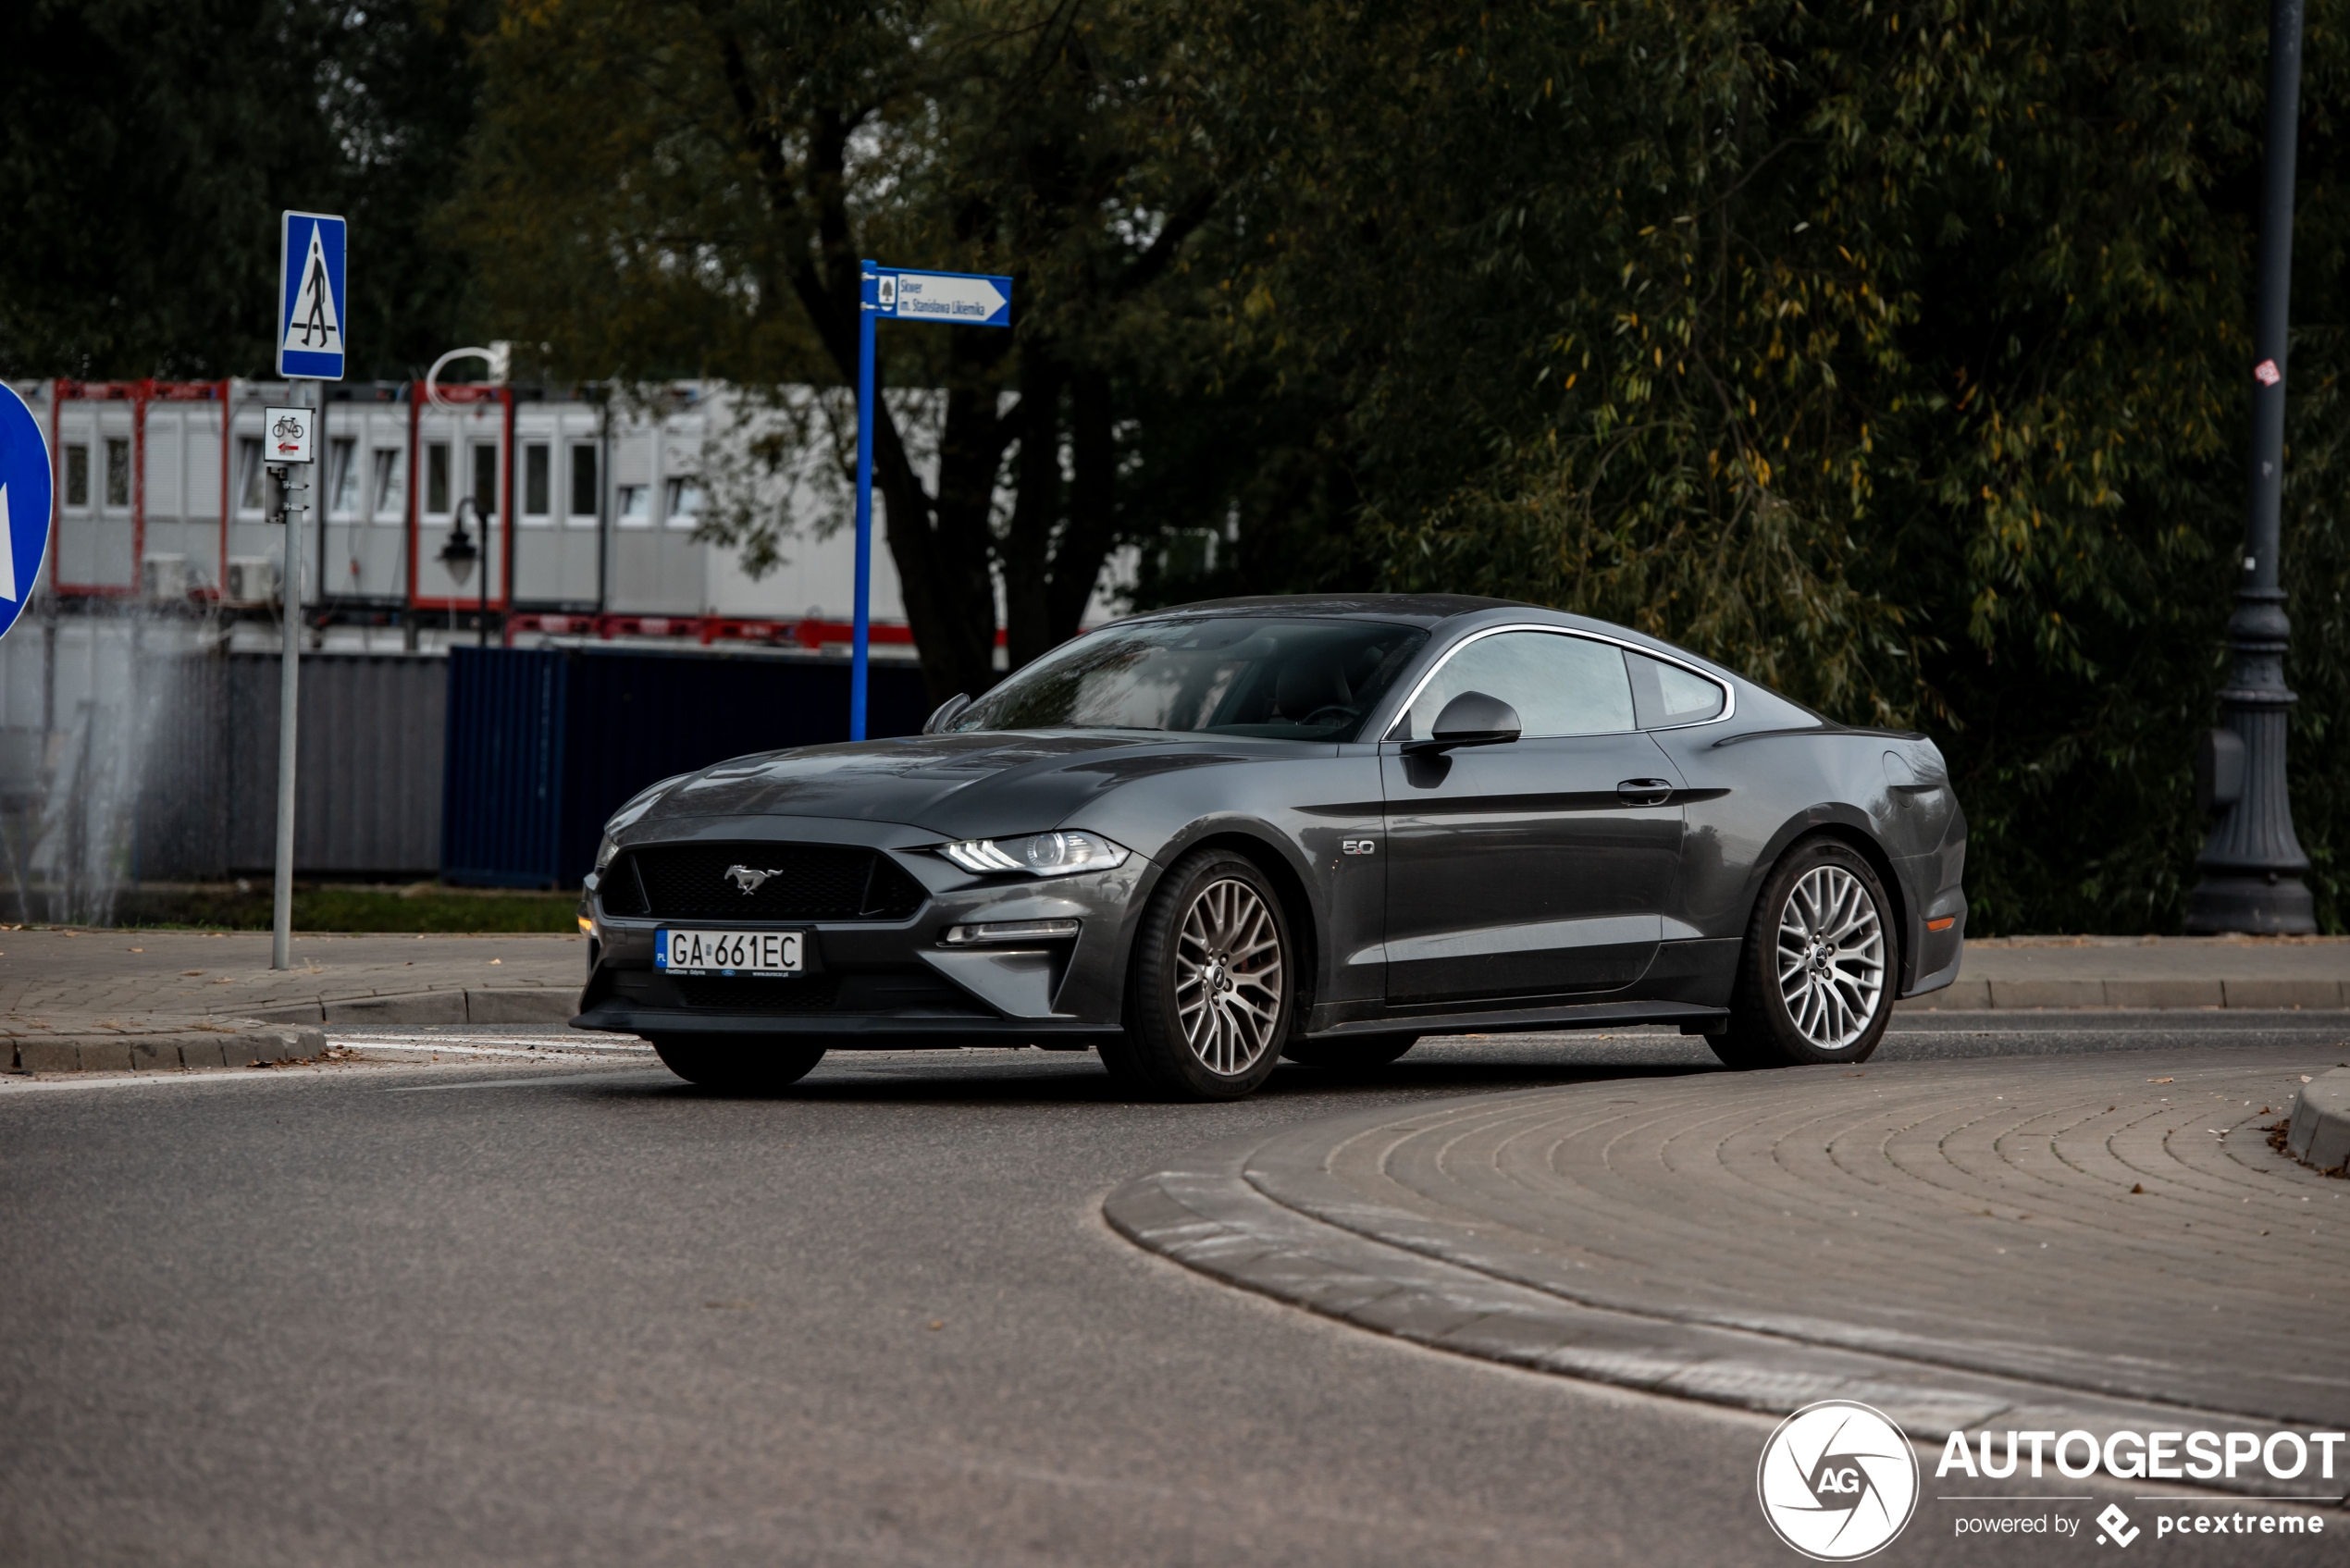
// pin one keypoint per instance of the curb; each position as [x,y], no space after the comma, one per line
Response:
[231,1042]
[275,1034]
[471,1005]
[1205,1214]
[2319,1135]
[1999,995]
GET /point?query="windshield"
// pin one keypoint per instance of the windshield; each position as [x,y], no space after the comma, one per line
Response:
[1280,679]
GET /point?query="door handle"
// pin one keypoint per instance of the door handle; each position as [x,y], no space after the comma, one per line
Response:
[1644,792]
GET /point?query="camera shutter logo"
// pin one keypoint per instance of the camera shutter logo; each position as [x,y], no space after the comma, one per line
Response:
[1838,1480]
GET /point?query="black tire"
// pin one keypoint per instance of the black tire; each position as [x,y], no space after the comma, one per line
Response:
[740,1063]
[1180,1043]
[1822,935]
[1358,1051]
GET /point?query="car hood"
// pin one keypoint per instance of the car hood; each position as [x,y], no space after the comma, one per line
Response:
[959,785]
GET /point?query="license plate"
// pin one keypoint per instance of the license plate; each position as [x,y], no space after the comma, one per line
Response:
[765,954]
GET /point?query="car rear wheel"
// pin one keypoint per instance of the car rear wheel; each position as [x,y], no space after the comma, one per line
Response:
[1816,977]
[1357,1050]
[1209,1000]
[740,1065]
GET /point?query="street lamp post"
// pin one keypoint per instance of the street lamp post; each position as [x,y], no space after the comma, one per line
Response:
[2252,865]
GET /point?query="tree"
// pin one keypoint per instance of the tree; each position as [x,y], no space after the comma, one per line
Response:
[146,150]
[713,217]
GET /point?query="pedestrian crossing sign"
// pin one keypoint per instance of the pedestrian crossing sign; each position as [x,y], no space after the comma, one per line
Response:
[312,296]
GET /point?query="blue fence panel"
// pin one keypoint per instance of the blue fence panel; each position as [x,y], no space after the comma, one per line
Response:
[502,787]
[544,744]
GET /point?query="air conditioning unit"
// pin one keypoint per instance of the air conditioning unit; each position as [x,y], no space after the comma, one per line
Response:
[253,579]
[165,576]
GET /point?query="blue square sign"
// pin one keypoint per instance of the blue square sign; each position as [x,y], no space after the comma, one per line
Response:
[310,296]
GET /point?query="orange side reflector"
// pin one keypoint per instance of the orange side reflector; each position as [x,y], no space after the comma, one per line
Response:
[1944,923]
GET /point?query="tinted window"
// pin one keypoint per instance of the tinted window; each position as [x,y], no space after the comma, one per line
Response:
[1287,679]
[1560,686]
[1666,695]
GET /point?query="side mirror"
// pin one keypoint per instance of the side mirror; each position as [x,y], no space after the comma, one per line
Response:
[946,714]
[1471,719]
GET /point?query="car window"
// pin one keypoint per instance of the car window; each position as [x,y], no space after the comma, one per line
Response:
[1665,695]
[1560,684]
[1227,675]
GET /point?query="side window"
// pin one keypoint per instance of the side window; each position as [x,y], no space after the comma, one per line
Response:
[1560,684]
[1666,695]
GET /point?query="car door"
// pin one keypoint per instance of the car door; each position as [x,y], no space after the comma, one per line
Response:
[1540,866]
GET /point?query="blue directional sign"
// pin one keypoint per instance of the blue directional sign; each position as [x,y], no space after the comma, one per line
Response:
[947,299]
[25,480]
[950,299]
[310,296]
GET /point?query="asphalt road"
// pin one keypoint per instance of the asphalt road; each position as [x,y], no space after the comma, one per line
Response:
[583,1314]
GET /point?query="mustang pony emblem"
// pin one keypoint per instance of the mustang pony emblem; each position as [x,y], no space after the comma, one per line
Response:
[747,879]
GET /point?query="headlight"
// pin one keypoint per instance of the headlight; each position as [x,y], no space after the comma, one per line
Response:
[604,852]
[1040,855]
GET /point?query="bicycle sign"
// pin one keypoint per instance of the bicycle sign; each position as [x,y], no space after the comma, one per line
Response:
[289,434]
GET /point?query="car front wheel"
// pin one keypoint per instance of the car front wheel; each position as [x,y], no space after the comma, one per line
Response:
[1816,977]
[1209,1000]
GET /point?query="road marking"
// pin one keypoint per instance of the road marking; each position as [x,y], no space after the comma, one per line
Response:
[486,1045]
[606,1076]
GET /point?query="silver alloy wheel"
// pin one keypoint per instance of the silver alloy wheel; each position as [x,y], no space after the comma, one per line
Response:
[1227,977]
[1831,957]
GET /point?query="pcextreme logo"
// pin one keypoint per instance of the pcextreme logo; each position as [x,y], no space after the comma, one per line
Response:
[1837,1481]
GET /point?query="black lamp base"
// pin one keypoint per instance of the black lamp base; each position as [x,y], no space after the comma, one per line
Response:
[2263,905]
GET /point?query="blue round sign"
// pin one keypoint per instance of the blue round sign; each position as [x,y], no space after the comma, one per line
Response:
[25,490]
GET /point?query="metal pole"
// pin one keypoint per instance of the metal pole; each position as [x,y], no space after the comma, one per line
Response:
[289,710]
[857,648]
[2253,864]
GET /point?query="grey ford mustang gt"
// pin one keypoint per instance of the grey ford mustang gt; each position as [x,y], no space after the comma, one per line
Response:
[1202,840]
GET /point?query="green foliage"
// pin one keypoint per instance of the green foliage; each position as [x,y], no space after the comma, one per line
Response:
[1895,354]
[146,147]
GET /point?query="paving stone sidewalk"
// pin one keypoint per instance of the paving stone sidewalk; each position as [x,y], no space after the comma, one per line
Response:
[2097,1235]
[2148,972]
[113,1000]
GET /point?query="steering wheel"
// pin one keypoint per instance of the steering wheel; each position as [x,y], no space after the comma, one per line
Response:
[1337,713]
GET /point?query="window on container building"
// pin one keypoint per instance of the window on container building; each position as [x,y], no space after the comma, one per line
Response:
[485,480]
[77,474]
[437,478]
[635,508]
[682,504]
[583,484]
[383,486]
[249,474]
[343,461]
[118,471]
[537,480]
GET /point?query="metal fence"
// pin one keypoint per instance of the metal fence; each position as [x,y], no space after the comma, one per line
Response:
[368,778]
[545,744]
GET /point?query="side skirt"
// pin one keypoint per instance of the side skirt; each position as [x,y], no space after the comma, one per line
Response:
[1693,1020]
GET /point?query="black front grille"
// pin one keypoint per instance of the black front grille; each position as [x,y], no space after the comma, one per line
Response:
[817,993]
[805,881]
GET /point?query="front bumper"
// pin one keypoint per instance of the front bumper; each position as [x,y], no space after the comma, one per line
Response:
[881,982]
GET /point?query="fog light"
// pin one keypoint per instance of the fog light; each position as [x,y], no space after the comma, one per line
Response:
[587,926]
[1009,931]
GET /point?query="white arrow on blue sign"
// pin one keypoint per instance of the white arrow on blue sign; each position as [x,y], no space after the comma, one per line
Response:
[312,296]
[25,490]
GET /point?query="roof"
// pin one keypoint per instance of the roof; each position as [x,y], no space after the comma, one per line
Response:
[1425,610]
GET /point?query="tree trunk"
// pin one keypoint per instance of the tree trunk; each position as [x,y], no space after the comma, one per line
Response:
[1028,543]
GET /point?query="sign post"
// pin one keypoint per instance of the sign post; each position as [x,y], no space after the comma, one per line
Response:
[312,300]
[948,299]
[27,487]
